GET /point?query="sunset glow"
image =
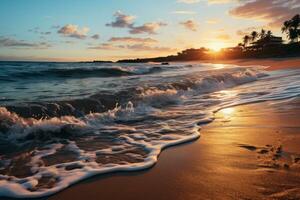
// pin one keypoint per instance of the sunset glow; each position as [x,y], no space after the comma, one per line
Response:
[217,46]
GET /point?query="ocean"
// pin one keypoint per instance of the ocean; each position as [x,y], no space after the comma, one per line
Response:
[64,122]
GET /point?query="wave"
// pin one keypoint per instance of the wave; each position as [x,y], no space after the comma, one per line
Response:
[76,73]
[160,94]
[84,72]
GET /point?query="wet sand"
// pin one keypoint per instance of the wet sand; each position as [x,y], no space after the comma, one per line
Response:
[271,63]
[248,152]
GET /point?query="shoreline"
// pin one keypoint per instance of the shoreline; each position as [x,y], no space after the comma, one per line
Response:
[237,144]
[270,63]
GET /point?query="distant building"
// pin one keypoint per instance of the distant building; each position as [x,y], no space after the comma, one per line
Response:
[268,41]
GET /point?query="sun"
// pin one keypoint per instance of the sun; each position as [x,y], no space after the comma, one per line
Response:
[217,46]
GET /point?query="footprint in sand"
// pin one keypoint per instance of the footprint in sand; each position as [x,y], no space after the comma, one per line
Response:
[271,156]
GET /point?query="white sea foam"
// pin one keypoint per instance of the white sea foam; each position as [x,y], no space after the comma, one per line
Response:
[12,188]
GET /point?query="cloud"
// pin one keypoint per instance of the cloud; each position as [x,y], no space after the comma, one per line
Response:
[131,43]
[69,42]
[14,43]
[183,12]
[95,36]
[220,1]
[188,1]
[104,46]
[55,27]
[127,21]
[45,33]
[34,30]
[133,47]
[37,31]
[223,37]
[190,25]
[149,28]
[208,1]
[121,20]
[143,47]
[275,12]
[132,40]
[73,31]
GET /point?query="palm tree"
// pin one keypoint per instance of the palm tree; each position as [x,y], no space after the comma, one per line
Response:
[262,34]
[246,40]
[285,27]
[240,45]
[292,28]
[254,35]
[269,34]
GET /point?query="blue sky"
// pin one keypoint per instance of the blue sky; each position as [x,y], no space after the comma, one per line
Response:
[63,29]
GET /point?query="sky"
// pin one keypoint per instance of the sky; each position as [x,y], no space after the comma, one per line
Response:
[83,30]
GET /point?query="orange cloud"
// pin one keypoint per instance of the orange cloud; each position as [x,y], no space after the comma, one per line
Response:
[272,11]
[132,40]
[190,25]
[134,47]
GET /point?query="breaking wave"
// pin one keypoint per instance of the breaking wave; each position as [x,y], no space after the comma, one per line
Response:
[82,73]
[158,93]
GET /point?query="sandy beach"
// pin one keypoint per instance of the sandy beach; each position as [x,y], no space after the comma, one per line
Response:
[271,63]
[248,152]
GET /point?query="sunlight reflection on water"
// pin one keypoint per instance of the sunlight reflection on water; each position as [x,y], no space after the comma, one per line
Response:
[227,112]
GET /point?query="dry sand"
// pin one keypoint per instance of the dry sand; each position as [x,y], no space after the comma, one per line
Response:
[248,152]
